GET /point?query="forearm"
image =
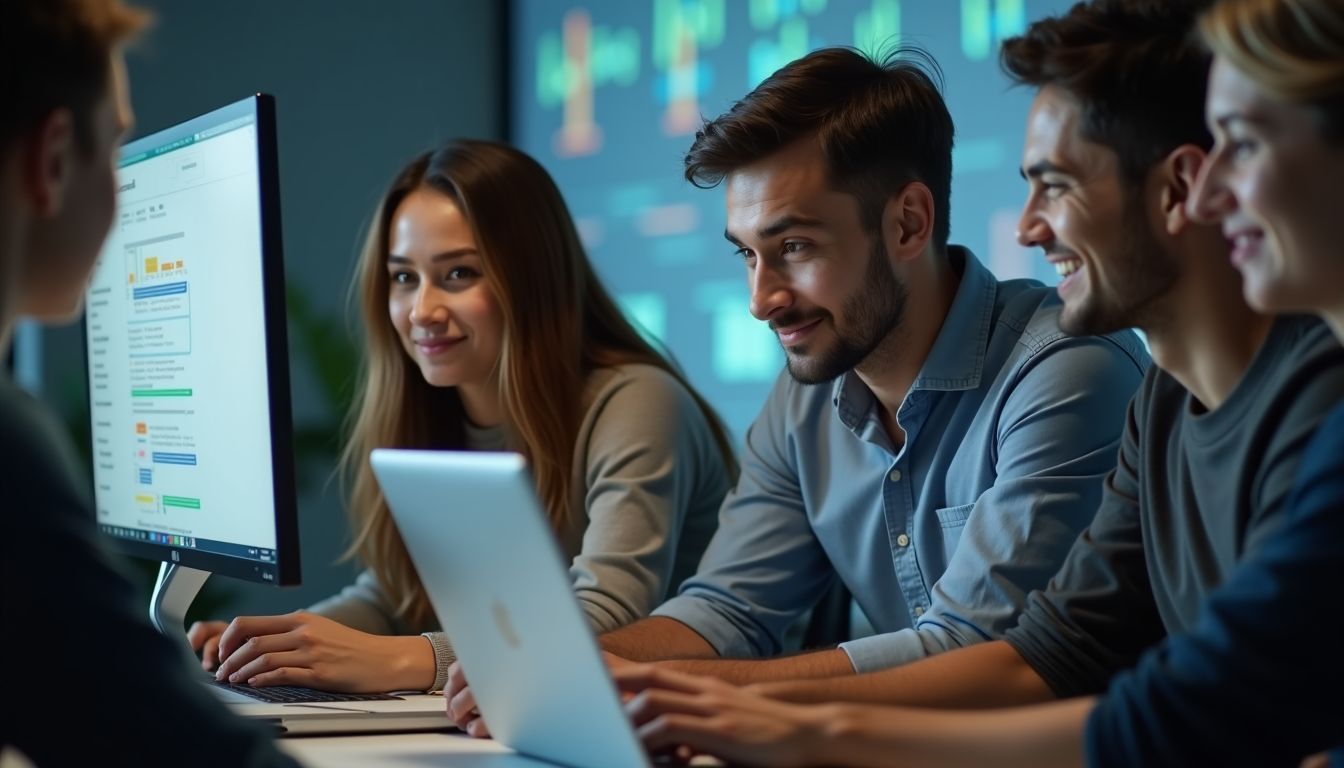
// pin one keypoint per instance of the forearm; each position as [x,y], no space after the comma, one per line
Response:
[806,666]
[655,639]
[980,677]
[1040,736]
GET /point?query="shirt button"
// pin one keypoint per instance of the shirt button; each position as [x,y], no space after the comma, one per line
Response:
[903,540]
[895,475]
[919,610]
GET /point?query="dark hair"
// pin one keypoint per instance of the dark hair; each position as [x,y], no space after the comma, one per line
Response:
[880,123]
[54,54]
[1134,66]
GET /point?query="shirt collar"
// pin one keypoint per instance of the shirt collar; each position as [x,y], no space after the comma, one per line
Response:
[957,358]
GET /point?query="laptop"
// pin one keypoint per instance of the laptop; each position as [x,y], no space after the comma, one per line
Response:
[399,713]
[494,572]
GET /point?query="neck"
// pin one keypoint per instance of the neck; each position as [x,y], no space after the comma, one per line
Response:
[1207,335]
[892,367]
[481,402]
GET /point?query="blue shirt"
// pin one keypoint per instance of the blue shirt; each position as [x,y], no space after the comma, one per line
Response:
[1257,680]
[1010,428]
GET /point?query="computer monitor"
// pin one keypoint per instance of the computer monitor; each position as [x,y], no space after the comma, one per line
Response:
[188,360]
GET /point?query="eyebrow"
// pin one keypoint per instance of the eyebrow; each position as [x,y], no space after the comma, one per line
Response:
[778,227]
[458,253]
[1039,169]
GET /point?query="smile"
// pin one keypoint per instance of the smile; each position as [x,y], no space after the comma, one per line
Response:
[790,336]
[1068,266]
[437,346]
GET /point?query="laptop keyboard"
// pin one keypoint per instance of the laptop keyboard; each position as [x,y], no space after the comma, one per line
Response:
[294,694]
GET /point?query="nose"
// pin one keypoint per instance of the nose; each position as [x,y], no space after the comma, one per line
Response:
[1032,229]
[769,291]
[429,307]
[1210,200]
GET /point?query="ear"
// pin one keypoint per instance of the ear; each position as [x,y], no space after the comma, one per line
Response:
[907,221]
[1179,171]
[46,161]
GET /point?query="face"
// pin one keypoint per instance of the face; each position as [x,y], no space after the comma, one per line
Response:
[1273,182]
[1089,221]
[441,305]
[820,280]
[65,244]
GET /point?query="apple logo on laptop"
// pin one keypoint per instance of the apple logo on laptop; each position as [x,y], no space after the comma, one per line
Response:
[505,626]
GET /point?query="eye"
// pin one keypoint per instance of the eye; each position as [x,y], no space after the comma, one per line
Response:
[794,246]
[744,254]
[462,273]
[401,277]
[1053,189]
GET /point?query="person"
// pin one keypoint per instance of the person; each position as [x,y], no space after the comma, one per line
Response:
[487,329]
[63,83]
[935,441]
[1204,614]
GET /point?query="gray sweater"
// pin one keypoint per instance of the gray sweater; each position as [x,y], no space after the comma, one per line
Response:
[1194,494]
[648,480]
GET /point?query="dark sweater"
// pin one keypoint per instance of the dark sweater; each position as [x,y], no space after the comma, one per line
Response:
[84,670]
[1258,679]
[1193,494]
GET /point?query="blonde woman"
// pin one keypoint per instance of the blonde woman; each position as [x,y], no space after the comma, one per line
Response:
[487,329]
[1256,679]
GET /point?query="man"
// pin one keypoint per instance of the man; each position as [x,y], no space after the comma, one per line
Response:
[84,667]
[1212,442]
[936,443]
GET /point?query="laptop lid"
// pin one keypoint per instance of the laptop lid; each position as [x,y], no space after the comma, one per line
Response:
[499,584]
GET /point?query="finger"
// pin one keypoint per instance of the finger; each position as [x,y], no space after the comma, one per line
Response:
[201,632]
[680,732]
[303,676]
[462,707]
[639,677]
[477,729]
[243,628]
[654,703]
[249,651]
[210,653]
[269,662]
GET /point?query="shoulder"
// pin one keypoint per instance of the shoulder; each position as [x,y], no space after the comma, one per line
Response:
[1030,311]
[634,386]
[32,443]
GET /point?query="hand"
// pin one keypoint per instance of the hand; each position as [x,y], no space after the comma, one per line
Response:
[204,639]
[305,649]
[462,704]
[675,711]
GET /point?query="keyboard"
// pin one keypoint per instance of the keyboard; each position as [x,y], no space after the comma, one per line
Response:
[295,694]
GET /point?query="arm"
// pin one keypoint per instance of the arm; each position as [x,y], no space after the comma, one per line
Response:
[1055,439]
[1264,650]
[653,479]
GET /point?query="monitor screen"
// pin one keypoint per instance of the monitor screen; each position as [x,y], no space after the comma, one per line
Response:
[188,378]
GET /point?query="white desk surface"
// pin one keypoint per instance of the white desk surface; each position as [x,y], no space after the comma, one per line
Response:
[404,749]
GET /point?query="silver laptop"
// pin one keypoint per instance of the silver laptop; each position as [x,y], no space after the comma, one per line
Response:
[495,575]
[408,712]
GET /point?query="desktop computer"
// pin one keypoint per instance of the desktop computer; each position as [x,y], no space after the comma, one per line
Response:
[188,360]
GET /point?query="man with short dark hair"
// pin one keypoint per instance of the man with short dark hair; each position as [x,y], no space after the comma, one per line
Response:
[1211,446]
[936,442]
[84,668]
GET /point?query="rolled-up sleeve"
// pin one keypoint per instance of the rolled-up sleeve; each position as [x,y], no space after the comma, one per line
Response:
[1057,438]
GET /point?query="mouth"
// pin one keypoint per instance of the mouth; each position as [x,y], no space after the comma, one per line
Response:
[1066,267]
[794,334]
[437,346]
[1244,243]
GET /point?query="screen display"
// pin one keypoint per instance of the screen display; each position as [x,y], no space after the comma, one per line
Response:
[608,94]
[177,349]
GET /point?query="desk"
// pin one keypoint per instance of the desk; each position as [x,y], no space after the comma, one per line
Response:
[405,749]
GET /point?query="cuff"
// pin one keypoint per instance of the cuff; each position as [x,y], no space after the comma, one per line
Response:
[443,657]
[878,652]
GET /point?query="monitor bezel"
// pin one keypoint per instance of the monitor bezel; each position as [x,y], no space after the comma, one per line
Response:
[287,566]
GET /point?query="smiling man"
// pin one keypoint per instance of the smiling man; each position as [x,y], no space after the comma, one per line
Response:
[936,443]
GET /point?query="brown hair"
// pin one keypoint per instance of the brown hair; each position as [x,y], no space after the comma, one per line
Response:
[54,54]
[1134,67]
[1292,48]
[559,324]
[880,123]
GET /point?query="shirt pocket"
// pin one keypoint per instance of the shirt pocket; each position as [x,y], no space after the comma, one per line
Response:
[953,522]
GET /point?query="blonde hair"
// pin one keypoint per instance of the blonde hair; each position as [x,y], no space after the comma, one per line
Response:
[559,324]
[1293,49]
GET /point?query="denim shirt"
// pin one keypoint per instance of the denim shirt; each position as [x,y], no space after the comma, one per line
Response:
[1010,428]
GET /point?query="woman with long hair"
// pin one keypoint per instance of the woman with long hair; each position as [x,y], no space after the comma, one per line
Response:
[486,328]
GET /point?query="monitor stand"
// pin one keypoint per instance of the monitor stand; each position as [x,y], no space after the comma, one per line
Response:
[176,587]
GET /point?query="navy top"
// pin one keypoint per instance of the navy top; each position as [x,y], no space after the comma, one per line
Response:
[1258,679]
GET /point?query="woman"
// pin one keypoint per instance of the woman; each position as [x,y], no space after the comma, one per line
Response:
[1256,681]
[487,329]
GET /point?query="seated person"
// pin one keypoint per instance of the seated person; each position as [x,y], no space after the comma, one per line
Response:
[487,329]
[62,81]
[1196,655]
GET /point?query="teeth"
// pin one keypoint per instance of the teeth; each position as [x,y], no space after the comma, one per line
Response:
[1066,268]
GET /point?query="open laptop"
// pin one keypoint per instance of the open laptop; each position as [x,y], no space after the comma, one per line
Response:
[403,712]
[493,571]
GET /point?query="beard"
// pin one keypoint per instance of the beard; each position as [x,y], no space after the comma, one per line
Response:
[1140,273]
[867,318]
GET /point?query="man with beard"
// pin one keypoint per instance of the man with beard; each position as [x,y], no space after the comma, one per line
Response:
[936,443]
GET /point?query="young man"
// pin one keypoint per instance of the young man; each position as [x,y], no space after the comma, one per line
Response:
[936,442]
[84,666]
[1211,447]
